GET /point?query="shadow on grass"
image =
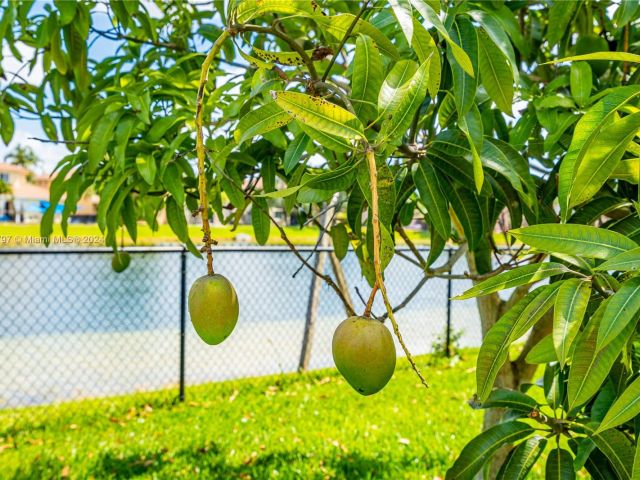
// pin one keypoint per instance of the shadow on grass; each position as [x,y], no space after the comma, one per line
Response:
[209,462]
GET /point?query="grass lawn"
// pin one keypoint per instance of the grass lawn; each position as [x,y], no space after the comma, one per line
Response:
[16,235]
[289,426]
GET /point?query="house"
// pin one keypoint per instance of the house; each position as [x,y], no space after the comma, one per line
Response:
[28,198]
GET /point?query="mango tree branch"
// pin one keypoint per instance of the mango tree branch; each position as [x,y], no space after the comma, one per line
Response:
[375,223]
[202,179]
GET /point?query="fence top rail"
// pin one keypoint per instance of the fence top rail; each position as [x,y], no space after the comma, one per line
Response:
[167,249]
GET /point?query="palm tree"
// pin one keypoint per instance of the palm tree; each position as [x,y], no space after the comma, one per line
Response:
[23,156]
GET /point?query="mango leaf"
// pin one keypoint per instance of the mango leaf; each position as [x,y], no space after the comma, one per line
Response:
[247,10]
[432,196]
[458,52]
[466,207]
[495,73]
[177,220]
[589,366]
[624,262]
[399,116]
[146,165]
[283,58]
[513,399]
[366,79]
[615,56]
[618,450]
[332,142]
[334,180]
[464,84]
[391,90]
[294,152]
[542,352]
[403,13]
[625,408]
[586,130]
[471,125]
[100,138]
[423,43]
[628,170]
[522,459]
[581,82]
[559,463]
[319,114]
[511,326]
[172,181]
[604,155]
[515,277]
[571,239]
[560,14]
[636,464]
[571,305]
[340,240]
[338,26]
[483,446]
[260,220]
[261,120]
[621,310]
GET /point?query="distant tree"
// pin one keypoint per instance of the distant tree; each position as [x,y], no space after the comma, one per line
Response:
[23,157]
[5,188]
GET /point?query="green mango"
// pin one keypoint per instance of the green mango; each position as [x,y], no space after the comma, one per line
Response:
[364,352]
[591,44]
[213,308]
[120,261]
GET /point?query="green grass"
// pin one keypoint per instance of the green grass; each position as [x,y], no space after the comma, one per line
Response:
[17,235]
[289,426]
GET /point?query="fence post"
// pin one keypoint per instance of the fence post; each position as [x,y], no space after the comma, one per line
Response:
[183,317]
[447,349]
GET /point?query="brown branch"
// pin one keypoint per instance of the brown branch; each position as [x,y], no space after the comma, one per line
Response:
[411,246]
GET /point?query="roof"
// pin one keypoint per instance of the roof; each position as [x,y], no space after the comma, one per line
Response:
[9,168]
[28,191]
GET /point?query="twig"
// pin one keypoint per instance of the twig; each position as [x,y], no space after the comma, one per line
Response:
[372,296]
[408,298]
[200,148]
[68,142]
[344,40]
[375,223]
[411,245]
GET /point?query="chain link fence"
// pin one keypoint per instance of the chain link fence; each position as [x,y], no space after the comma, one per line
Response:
[71,328]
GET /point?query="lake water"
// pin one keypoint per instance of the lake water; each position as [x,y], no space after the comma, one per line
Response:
[71,328]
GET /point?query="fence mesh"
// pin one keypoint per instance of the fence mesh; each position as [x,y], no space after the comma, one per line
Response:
[70,327]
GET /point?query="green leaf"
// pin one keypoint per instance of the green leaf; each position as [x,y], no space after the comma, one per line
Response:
[618,450]
[512,278]
[340,240]
[261,120]
[589,366]
[513,399]
[6,123]
[366,79]
[625,408]
[260,220]
[571,305]
[393,86]
[621,310]
[604,154]
[403,13]
[320,114]
[522,459]
[586,130]
[471,125]
[458,52]
[464,84]
[559,463]
[482,447]
[177,220]
[423,44]
[334,143]
[542,352]
[335,180]
[628,170]
[161,126]
[511,326]
[581,82]
[571,239]
[432,196]
[338,26]
[100,137]
[560,14]
[146,165]
[247,10]
[283,58]
[609,56]
[294,152]
[172,181]
[465,206]
[495,73]
[624,262]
